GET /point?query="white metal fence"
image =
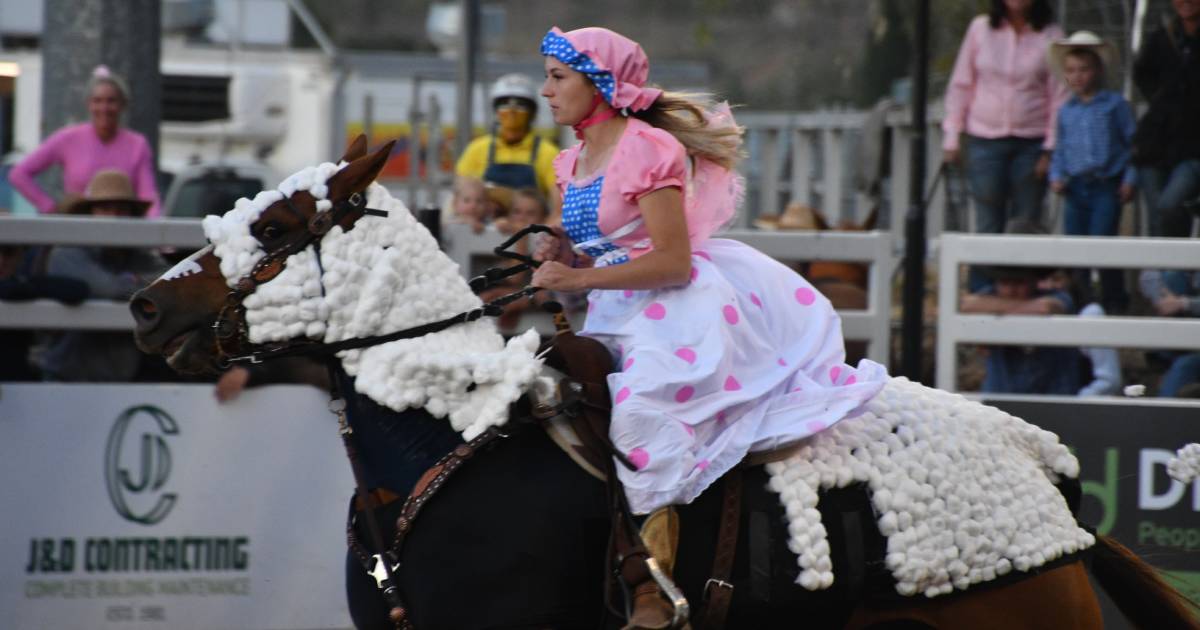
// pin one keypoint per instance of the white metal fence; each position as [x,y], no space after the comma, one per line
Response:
[954,328]
[464,247]
[873,248]
[872,325]
[86,231]
[815,158]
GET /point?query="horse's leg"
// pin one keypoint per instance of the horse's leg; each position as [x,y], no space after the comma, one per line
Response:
[1059,599]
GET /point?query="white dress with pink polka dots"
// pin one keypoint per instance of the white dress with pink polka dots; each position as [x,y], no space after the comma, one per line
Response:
[746,357]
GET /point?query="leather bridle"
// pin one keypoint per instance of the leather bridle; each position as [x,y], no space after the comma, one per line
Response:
[230,329]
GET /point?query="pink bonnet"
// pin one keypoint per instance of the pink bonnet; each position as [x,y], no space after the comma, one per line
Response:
[616,64]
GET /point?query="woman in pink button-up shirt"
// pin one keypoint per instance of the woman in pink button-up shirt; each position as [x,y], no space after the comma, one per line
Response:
[1004,97]
[84,149]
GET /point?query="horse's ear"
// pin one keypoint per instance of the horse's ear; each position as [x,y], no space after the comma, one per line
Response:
[819,219]
[360,173]
[356,149]
[869,223]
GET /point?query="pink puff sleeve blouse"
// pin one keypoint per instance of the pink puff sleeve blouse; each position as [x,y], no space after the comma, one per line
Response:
[81,153]
[647,159]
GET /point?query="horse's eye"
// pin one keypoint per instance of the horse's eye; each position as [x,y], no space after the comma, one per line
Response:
[271,231]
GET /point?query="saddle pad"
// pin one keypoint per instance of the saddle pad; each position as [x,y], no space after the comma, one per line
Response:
[963,492]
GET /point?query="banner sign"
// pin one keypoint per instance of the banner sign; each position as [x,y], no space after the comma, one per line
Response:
[1123,448]
[153,506]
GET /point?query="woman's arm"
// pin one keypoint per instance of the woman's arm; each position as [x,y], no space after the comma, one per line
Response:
[144,183]
[668,264]
[1127,126]
[23,173]
[959,91]
[1147,67]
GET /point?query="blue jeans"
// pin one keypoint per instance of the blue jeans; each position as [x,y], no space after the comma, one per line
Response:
[1003,184]
[1165,191]
[1184,370]
[1093,209]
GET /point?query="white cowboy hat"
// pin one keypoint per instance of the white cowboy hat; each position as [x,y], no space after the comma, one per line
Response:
[1081,39]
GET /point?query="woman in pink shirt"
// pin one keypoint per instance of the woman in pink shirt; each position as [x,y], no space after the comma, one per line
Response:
[1004,97]
[84,149]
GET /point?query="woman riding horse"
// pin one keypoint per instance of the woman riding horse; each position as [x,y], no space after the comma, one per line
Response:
[332,264]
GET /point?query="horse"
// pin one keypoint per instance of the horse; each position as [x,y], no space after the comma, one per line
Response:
[518,537]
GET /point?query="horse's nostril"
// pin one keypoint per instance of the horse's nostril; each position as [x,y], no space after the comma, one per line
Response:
[144,311]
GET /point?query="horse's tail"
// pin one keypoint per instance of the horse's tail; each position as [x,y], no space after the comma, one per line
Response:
[1143,596]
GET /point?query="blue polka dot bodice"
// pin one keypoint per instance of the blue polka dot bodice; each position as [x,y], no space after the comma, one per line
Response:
[581,220]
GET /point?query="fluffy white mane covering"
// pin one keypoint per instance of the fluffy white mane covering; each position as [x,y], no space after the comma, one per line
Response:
[384,275]
[963,492]
[1185,466]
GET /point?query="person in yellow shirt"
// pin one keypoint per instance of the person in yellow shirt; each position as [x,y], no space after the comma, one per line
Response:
[512,156]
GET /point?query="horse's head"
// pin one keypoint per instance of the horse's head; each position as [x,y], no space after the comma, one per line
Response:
[259,280]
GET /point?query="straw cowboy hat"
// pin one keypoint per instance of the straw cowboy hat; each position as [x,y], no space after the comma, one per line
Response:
[108,186]
[1081,39]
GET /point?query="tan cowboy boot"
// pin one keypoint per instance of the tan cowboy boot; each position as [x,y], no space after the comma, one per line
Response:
[660,534]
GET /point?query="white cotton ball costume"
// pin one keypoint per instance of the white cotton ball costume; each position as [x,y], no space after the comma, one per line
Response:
[385,274]
[963,492]
[1185,466]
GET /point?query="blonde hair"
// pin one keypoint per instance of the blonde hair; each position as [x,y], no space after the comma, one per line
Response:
[684,115]
[101,74]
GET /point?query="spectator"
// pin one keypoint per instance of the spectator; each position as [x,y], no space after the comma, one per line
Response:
[84,149]
[1166,147]
[1175,294]
[1105,363]
[1091,164]
[528,207]
[1025,369]
[301,370]
[1003,96]
[21,278]
[112,273]
[469,204]
[512,156]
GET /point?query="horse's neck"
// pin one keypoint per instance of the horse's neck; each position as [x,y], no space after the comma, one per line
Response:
[394,447]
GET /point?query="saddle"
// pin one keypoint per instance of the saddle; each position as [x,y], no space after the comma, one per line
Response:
[642,559]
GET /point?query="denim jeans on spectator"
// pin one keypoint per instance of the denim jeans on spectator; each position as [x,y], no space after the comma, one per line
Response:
[1184,370]
[1165,191]
[1004,185]
[1093,209]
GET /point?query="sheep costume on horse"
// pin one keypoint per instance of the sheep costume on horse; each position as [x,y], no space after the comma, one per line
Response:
[957,515]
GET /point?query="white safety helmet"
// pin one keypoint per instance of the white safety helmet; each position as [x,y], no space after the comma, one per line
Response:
[515,86]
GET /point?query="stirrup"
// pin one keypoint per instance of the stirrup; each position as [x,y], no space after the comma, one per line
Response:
[674,595]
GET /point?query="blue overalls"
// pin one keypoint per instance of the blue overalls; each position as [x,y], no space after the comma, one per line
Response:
[512,175]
